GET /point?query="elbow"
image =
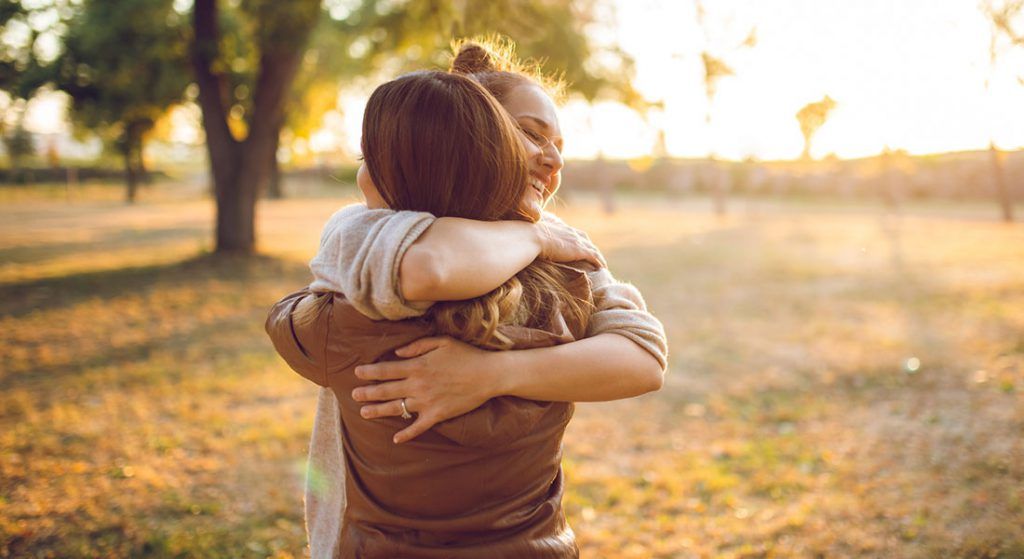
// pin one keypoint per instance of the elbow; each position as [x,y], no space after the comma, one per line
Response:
[646,369]
[654,378]
[420,275]
[650,376]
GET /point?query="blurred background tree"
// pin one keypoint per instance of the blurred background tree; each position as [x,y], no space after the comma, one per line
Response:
[715,69]
[552,33]
[19,144]
[264,70]
[811,118]
[1006,18]
[253,61]
[242,146]
[123,66]
[24,29]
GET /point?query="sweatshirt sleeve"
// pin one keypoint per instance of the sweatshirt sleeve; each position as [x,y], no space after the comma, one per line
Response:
[360,253]
[620,309]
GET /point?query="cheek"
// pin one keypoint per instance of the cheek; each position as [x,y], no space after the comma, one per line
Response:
[531,204]
[556,181]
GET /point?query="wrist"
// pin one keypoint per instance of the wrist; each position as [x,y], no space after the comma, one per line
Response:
[534,233]
[498,364]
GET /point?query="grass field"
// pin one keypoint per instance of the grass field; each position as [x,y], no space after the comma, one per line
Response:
[844,383]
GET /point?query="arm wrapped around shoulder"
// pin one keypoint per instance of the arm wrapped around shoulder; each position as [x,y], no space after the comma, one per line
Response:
[620,309]
[303,352]
[360,253]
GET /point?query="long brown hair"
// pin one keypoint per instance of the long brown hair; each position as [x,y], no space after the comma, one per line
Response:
[440,142]
[539,290]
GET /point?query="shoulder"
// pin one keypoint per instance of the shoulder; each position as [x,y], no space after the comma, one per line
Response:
[356,214]
[359,221]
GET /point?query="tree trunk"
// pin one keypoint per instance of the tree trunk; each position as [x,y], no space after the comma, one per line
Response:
[132,150]
[240,169]
[274,190]
[131,178]
[140,164]
[718,186]
[999,178]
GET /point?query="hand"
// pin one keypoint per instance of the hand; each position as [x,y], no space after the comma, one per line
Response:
[440,378]
[561,243]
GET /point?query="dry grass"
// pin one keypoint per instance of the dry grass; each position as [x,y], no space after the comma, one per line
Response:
[143,412]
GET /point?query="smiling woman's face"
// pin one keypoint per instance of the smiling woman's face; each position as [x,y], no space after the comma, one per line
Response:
[535,113]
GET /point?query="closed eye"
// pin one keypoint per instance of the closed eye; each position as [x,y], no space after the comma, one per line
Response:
[535,137]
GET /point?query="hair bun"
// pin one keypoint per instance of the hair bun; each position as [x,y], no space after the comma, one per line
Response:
[472,58]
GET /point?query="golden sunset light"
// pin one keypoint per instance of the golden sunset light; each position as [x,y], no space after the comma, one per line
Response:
[505,279]
[908,75]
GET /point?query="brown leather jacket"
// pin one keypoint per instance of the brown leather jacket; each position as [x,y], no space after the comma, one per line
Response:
[485,484]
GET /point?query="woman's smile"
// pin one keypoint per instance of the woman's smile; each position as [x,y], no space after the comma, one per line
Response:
[539,186]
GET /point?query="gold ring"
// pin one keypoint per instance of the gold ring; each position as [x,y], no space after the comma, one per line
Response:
[405,410]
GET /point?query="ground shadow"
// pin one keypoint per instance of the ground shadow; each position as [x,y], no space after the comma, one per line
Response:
[18,299]
[108,242]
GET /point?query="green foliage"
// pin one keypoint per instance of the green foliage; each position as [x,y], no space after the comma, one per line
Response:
[363,37]
[277,25]
[123,63]
[30,31]
[246,30]
[555,33]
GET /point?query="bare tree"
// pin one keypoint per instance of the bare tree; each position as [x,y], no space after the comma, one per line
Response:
[715,68]
[1007,31]
[811,118]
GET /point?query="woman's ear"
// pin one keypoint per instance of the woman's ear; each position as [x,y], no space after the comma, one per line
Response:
[373,198]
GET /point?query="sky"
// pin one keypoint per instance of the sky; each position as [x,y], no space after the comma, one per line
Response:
[906,74]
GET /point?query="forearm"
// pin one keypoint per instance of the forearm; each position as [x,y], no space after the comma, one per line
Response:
[457,259]
[596,369]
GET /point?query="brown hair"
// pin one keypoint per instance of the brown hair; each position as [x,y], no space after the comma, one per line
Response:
[491,60]
[538,290]
[440,142]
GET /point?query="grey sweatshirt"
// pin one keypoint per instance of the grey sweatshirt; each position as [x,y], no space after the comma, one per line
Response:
[360,253]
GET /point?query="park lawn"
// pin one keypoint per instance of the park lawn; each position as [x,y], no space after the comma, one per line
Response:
[843,383]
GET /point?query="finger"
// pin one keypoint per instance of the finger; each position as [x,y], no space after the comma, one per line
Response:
[419,347]
[422,424]
[387,409]
[387,370]
[381,392]
[595,258]
[592,248]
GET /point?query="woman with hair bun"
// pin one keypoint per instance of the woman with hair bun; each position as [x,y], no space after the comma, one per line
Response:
[477,473]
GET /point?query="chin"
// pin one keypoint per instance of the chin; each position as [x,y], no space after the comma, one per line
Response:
[532,209]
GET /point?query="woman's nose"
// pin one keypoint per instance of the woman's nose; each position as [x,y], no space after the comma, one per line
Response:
[551,158]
